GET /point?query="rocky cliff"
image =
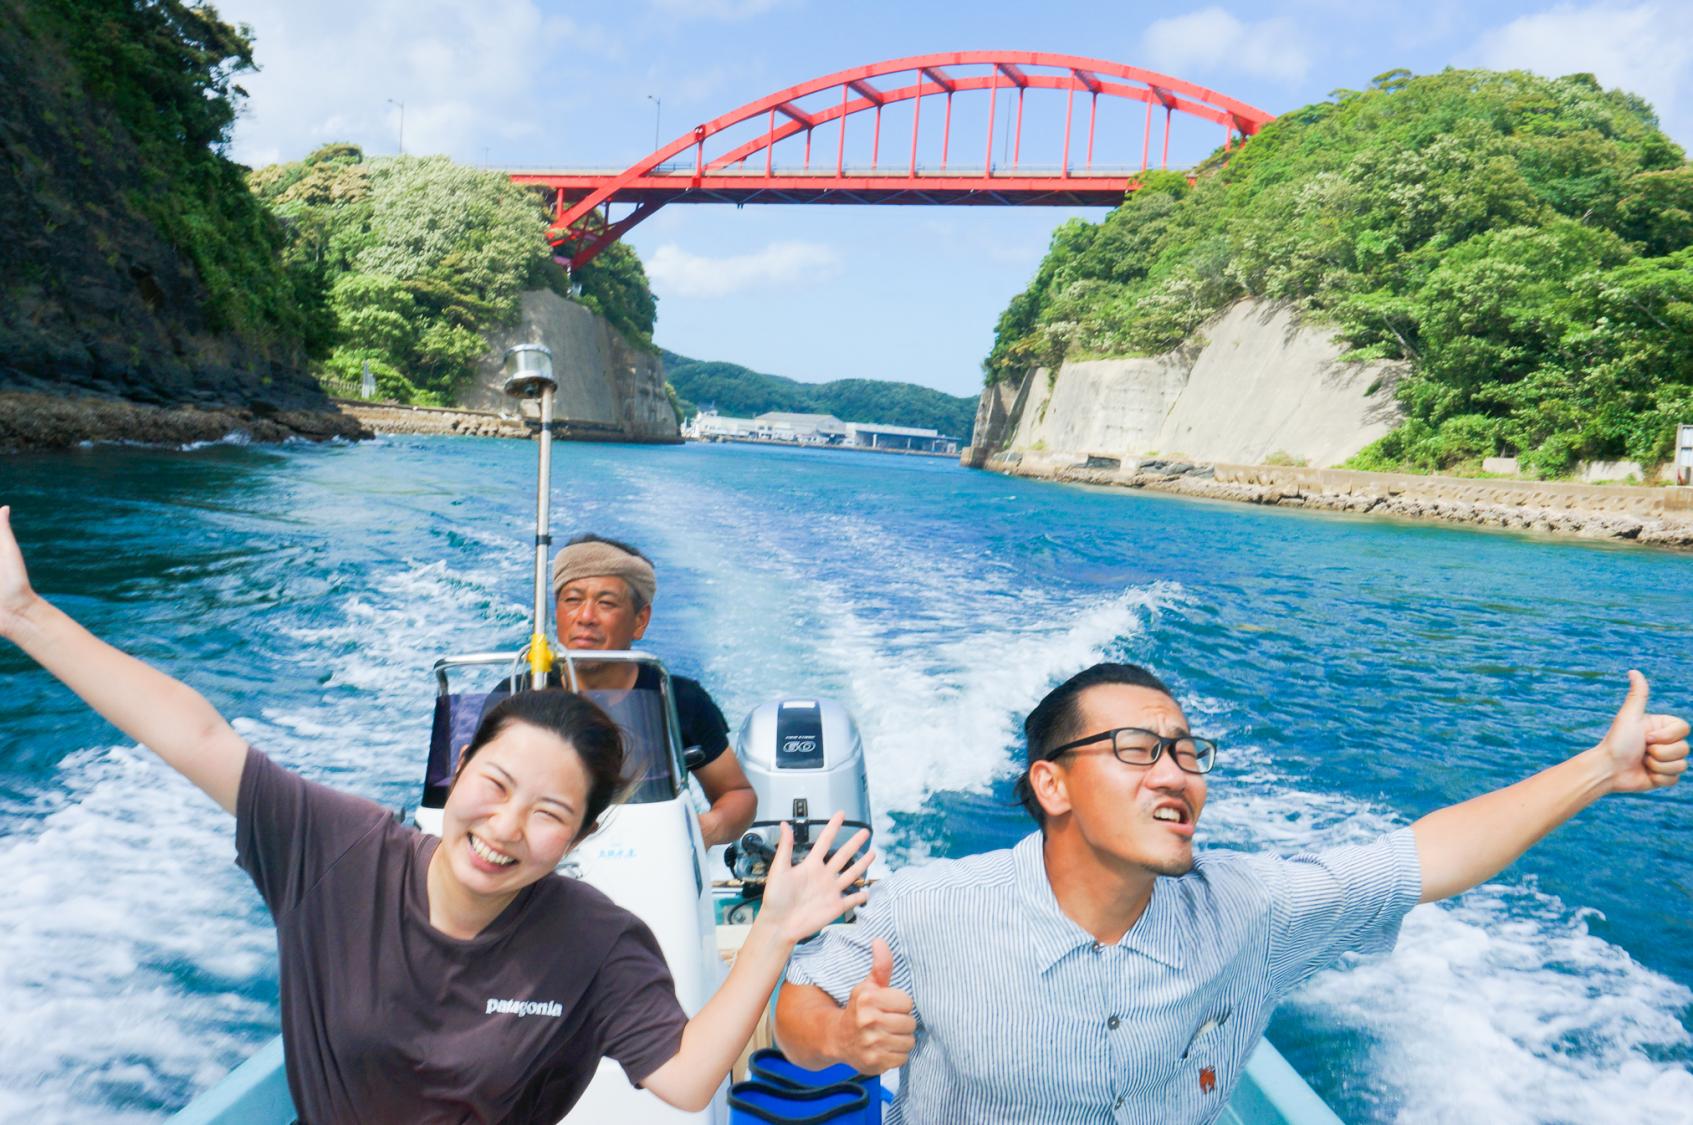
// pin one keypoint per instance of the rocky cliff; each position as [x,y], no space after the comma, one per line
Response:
[605,384]
[102,296]
[1254,384]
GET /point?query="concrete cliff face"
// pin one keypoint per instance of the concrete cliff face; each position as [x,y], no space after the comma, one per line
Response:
[607,388]
[1251,385]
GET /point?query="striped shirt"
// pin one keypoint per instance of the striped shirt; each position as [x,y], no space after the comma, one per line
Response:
[1023,1017]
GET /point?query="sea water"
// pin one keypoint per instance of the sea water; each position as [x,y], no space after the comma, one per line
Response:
[1357,673]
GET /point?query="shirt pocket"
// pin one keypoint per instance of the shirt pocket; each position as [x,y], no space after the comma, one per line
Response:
[1208,1067]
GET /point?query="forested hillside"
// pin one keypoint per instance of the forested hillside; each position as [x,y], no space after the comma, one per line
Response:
[139,261]
[134,260]
[1526,243]
[404,263]
[742,392]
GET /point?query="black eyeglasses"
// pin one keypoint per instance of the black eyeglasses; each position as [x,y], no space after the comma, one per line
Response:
[1134,746]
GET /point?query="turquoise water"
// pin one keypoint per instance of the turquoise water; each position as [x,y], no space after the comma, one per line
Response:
[1357,673]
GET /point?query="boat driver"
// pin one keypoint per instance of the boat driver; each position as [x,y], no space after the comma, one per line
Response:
[604,591]
[1101,971]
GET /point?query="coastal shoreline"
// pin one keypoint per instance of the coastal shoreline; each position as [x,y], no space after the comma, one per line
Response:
[1658,517]
[455,421]
[34,422]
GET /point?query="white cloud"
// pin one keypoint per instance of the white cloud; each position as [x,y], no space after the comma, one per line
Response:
[466,74]
[676,273]
[1202,41]
[727,11]
[1646,49]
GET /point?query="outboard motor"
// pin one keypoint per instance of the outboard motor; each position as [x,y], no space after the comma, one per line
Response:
[805,759]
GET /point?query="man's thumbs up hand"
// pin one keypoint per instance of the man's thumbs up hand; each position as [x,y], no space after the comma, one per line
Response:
[876,1030]
[881,965]
[1645,751]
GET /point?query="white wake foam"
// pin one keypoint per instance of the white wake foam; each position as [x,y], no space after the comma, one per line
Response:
[937,660]
[112,899]
[1502,1007]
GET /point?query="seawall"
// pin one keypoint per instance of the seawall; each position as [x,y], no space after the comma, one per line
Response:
[392,418]
[606,386]
[1657,516]
[1252,384]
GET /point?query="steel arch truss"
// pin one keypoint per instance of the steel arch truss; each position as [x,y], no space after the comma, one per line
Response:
[717,162]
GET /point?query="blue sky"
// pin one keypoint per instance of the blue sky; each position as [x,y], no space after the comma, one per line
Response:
[820,293]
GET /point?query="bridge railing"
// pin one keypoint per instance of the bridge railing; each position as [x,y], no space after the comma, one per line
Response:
[1021,171]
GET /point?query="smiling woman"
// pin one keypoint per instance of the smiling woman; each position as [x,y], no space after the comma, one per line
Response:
[424,977]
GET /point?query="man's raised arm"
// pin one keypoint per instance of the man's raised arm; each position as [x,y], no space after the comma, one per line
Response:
[1469,843]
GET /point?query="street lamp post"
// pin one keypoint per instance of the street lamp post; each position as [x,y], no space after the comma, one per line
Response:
[658,111]
[402,106]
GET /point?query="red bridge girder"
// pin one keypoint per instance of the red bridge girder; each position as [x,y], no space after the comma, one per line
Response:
[725,176]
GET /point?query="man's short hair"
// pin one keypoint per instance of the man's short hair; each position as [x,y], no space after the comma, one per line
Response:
[626,548]
[635,596]
[1055,719]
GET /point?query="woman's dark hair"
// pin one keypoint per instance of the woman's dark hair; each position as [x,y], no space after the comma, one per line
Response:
[1055,718]
[597,740]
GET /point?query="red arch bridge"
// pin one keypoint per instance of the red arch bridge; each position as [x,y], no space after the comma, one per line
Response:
[732,158]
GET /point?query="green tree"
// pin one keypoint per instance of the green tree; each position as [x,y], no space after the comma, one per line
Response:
[406,263]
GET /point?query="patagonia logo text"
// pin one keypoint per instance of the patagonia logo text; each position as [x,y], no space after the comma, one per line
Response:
[525,1008]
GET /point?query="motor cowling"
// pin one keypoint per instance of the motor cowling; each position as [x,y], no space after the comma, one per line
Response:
[805,760]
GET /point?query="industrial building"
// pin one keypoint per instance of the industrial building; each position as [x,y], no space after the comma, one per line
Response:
[782,428]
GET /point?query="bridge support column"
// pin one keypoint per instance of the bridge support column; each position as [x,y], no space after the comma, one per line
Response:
[1069,107]
[916,121]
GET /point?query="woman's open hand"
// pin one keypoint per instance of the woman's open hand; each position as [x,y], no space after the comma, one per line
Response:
[801,898]
[15,593]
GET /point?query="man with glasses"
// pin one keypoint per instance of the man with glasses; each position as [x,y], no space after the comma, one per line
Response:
[1098,970]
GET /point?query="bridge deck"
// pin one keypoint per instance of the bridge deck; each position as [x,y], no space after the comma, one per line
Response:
[1026,187]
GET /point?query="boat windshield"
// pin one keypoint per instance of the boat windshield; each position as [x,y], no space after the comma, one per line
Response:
[643,714]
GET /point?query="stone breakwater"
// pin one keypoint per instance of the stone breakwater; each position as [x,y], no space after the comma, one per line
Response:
[384,418]
[1657,516]
[31,421]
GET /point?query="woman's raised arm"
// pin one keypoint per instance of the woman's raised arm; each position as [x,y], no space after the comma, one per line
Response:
[169,718]
[799,899]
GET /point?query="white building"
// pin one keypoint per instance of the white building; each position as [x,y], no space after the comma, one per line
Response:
[816,429]
[804,429]
[708,425]
[789,429]
[909,439]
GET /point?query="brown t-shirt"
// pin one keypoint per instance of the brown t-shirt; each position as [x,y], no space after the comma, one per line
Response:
[384,1018]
